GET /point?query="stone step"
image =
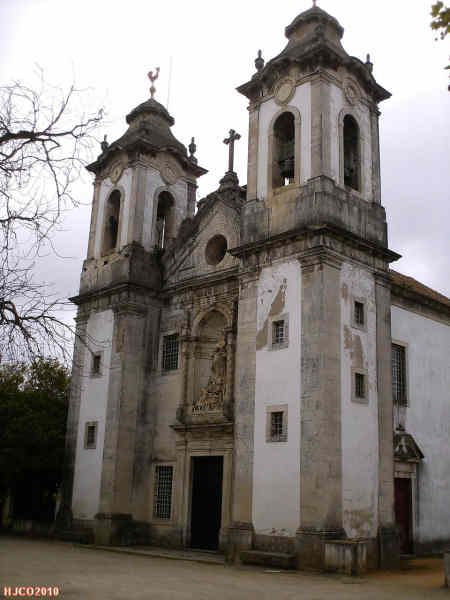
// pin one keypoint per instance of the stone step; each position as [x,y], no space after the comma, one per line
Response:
[268,559]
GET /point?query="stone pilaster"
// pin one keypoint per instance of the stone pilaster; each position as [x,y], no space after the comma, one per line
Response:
[80,356]
[376,179]
[136,204]
[320,127]
[125,394]
[389,551]
[241,528]
[94,219]
[320,450]
[253,139]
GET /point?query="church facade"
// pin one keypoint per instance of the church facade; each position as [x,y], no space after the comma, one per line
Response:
[256,379]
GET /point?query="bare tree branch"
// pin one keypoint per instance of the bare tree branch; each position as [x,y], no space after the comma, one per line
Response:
[45,142]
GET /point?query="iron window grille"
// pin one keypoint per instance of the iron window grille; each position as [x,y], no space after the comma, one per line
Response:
[162,499]
[279,334]
[170,352]
[399,375]
[277,427]
[359,313]
[360,388]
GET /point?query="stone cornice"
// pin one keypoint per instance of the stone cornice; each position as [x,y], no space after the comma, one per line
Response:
[208,280]
[318,233]
[425,306]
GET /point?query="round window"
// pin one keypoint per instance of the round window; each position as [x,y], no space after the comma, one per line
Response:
[216,249]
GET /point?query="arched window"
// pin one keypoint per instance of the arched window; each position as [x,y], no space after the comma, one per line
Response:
[112,222]
[165,220]
[352,162]
[283,154]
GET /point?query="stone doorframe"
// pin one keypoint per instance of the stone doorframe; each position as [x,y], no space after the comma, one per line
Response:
[196,441]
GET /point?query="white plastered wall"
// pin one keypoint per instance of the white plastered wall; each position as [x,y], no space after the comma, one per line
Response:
[427,416]
[94,396]
[359,420]
[302,101]
[276,467]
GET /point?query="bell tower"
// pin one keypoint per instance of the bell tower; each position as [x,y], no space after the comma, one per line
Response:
[144,188]
[314,227]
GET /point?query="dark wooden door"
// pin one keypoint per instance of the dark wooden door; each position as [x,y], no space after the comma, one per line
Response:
[206,508]
[403,513]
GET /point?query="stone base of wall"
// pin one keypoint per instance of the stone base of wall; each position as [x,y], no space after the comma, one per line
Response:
[389,548]
[240,537]
[274,543]
[120,530]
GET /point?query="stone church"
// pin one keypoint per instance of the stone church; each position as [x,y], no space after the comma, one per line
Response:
[250,376]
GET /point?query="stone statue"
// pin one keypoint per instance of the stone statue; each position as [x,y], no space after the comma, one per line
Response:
[211,396]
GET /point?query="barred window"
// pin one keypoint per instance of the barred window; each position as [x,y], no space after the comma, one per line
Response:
[360,388]
[170,352]
[162,497]
[399,375]
[359,313]
[278,336]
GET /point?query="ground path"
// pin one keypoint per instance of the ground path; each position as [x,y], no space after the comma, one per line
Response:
[87,574]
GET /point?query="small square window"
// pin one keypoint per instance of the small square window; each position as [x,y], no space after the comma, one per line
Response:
[96,364]
[170,352]
[276,425]
[359,314]
[90,435]
[278,336]
[360,385]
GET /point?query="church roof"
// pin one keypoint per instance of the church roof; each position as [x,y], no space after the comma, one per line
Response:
[410,286]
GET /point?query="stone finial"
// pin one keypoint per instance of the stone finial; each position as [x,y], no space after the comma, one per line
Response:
[153,78]
[369,64]
[259,61]
[314,3]
[104,144]
[192,150]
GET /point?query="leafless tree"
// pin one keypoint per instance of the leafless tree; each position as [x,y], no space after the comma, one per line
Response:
[45,141]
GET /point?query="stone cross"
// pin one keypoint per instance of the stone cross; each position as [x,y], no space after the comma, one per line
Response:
[230,142]
[153,78]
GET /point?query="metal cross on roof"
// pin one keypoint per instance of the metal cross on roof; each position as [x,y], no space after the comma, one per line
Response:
[230,143]
[153,78]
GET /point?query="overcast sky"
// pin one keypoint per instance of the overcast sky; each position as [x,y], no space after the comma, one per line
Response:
[110,46]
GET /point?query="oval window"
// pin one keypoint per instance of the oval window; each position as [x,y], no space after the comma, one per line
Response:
[216,249]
